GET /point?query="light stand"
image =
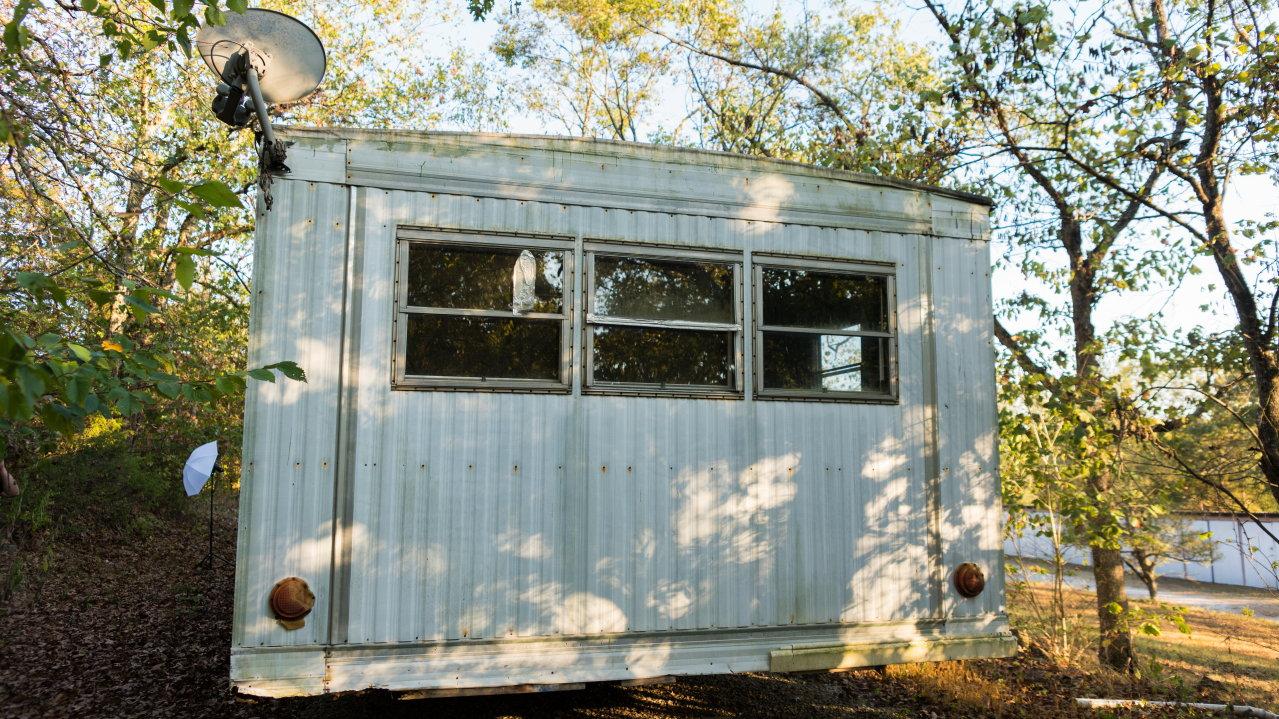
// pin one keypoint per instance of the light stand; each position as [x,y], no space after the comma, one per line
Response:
[209,562]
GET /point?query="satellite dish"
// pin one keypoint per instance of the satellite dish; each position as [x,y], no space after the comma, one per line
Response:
[262,57]
[287,54]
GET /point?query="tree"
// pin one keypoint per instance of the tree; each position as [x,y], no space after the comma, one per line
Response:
[1034,78]
[126,204]
[582,67]
[82,280]
[1210,69]
[1154,537]
[840,89]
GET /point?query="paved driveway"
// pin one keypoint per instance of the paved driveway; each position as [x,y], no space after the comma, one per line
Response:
[1228,598]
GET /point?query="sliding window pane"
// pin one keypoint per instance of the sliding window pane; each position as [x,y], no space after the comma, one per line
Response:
[825,363]
[453,346]
[640,288]
[663,356]
[485,278]
[825,300]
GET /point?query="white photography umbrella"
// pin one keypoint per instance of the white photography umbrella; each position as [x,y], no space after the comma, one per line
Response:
[524,283]
[198,467]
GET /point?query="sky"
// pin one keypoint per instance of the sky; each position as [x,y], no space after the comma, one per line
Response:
[1250,197]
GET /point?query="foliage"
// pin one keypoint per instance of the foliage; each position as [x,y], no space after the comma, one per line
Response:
[125,222]
[581,67]
[838,88]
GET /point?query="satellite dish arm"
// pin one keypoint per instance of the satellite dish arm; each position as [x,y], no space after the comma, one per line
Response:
[259,104]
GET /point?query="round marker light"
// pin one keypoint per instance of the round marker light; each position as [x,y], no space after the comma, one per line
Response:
[969,580]
[291,599]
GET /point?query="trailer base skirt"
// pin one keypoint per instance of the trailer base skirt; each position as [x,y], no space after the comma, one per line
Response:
[491,664]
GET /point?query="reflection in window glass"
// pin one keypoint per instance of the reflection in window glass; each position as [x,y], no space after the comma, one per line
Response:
[643,288]
[829,363]
[483,347]
[663,356]
[485,278]
[825,300]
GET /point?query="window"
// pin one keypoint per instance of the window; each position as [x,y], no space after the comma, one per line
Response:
[661,321]
[481,312]
[825,330]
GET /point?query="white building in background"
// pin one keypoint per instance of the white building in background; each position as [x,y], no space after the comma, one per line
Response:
[1244,555]
[587,411]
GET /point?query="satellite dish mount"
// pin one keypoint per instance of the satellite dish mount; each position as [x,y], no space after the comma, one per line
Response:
[242,70]
[261,58]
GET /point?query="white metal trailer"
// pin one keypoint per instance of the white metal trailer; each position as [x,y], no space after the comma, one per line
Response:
[590,411]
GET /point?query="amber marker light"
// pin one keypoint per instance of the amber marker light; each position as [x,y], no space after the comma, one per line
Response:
[969,580]
[291,599]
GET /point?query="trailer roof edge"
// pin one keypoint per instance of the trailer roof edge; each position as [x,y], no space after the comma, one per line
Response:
[647,150]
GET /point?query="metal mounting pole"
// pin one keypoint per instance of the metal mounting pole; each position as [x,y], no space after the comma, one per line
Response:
[259,104]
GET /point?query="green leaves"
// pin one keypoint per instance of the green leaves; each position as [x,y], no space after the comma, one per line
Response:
[262,374]
[41,286]
[63,382]
[184,270]
[289,369]
[15,35]
[214,16]
[479,8]
[216,194]
[1032,15]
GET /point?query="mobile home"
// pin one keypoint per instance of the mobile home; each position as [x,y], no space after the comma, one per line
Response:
[586,411]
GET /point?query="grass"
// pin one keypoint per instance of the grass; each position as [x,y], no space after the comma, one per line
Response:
[1224,657]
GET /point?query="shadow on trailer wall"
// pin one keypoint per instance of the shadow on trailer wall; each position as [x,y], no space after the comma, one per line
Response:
[586,411]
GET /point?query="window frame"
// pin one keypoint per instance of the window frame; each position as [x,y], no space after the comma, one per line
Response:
[887,270]
[735,259]
[405,237]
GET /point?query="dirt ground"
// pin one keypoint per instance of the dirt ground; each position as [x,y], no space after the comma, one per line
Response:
[116,628]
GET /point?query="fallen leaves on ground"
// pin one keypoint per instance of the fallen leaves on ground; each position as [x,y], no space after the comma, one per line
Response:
[132,628]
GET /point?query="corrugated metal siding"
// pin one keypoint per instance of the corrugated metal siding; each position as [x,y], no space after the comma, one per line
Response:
[494,515]
[968,442]
[286,493]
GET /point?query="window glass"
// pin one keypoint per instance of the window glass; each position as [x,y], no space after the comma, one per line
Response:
[485,278]
[485,347]
[640,288]
[830,363]
[825,300]
[663,356]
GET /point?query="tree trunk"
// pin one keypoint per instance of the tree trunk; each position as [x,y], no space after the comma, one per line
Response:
[1257,339]
[1145,571]
[1115,641]
[1115,649]
[1256,330]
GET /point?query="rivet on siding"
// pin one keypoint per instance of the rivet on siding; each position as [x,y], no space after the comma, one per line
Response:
[969,580]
